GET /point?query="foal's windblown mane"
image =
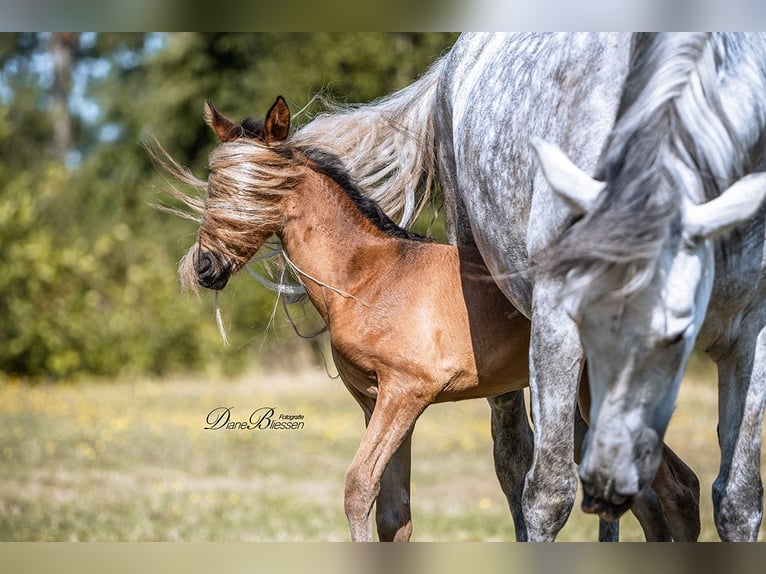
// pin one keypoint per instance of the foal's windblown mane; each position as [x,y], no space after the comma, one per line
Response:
[331,166]
[670,118]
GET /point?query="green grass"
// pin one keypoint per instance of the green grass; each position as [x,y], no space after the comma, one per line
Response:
[130,460]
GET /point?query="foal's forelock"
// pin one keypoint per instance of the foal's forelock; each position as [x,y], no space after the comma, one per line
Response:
[671,119]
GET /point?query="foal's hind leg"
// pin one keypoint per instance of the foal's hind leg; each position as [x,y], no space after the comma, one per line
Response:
[513,446]
[392,509]
[678,491]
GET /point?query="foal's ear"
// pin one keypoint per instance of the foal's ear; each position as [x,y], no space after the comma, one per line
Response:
[277,124]
[224,128]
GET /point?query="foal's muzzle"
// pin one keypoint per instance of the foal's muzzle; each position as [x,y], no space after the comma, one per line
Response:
[212,271]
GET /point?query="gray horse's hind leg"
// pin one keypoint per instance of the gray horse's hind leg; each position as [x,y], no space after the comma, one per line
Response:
[513,446]
[608,530]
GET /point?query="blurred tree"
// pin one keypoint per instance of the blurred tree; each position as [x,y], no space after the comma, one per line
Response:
[61,48]
[87,267]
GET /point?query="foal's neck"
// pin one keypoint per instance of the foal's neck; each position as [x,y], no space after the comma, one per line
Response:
[332,242]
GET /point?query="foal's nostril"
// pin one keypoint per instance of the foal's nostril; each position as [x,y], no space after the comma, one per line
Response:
[204,262]
[212,272]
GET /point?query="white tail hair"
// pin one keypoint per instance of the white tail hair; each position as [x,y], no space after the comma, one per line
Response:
[387,145]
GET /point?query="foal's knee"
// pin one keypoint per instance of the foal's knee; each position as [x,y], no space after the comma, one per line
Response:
[359,496]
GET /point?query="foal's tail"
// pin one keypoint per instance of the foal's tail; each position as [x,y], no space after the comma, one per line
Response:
[387,145]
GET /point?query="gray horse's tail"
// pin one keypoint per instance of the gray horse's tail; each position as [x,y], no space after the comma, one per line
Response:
[387,145]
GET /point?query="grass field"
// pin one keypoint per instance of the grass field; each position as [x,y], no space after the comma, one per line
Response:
[131,460]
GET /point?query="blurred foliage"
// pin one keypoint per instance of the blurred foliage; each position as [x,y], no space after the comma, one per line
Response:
[87,267]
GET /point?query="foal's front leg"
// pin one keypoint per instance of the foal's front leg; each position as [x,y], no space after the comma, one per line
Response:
[389,427]
[392,508]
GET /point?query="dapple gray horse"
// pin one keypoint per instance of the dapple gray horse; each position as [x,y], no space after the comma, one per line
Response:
[468,123]
[669,252]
